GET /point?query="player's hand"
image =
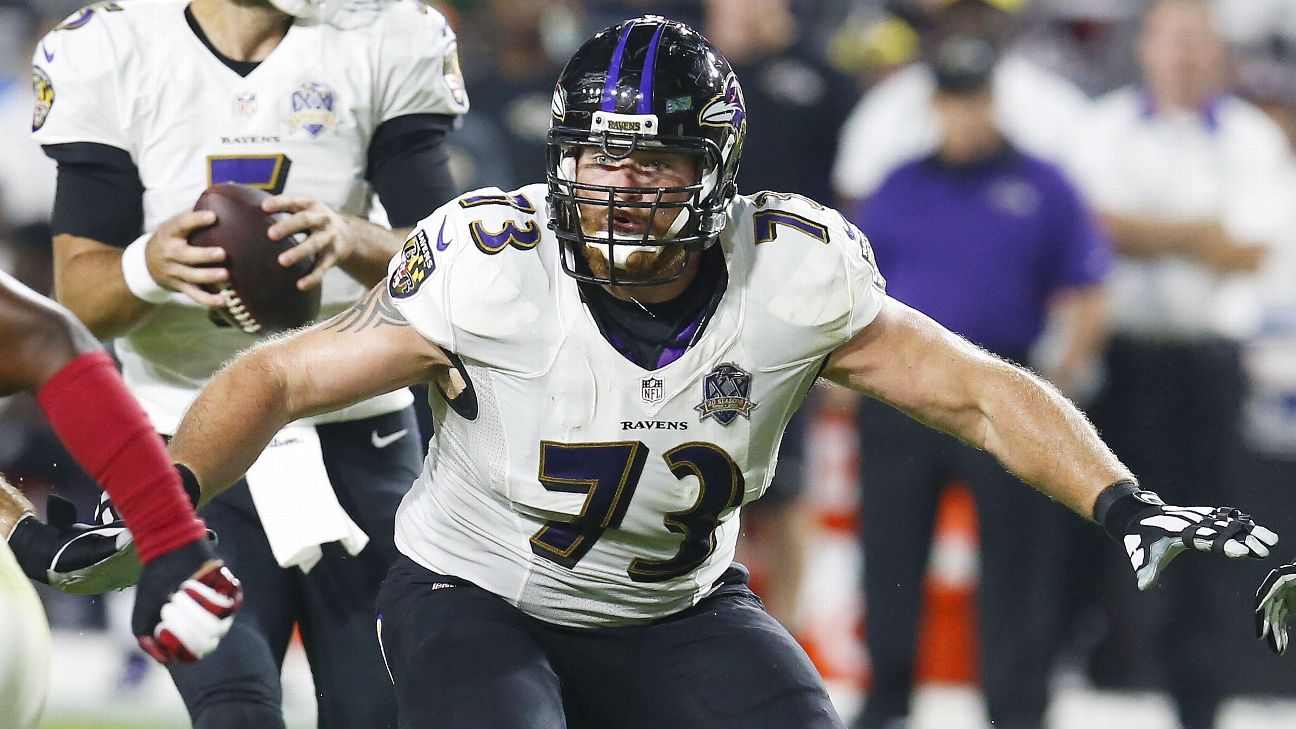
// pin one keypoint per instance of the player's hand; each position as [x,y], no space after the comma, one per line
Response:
[105,512]
[178,266]
[185,603]
[1275,603]
[81,559]
[324,234]
[1154,533]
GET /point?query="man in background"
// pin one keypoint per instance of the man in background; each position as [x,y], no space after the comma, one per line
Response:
[1037,110]
[993,243]
[1186,179]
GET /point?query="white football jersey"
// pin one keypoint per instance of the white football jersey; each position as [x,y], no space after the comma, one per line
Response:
[570,481]
[135,76]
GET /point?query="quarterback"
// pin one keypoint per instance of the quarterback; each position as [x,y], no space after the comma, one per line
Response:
[617,353]
[326,105]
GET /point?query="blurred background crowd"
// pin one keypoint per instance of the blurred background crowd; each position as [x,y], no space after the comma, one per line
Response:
[1104,190]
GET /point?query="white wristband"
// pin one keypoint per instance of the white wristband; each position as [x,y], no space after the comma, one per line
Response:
[135,270]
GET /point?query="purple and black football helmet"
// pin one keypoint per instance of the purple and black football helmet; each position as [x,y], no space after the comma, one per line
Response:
[644,84]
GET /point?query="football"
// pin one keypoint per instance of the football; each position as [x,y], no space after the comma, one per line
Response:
[261,296]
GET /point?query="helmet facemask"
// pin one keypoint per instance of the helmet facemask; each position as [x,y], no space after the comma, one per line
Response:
[583,213]
[645,85]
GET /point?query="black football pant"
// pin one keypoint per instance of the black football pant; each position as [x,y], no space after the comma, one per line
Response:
[904,467]
[464,658]
[237,686]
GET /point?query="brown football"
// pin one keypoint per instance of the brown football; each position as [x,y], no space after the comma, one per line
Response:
[261,296]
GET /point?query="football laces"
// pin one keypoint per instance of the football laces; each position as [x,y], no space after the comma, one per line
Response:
[237,311]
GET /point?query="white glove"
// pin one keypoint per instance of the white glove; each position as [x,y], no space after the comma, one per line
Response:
[185,603]
[1275,602]
[1154,533]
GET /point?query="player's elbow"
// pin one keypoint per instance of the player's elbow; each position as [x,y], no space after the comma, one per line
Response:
[289,385]
[257,382]
[42,340]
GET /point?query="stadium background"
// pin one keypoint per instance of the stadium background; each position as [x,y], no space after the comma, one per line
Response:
[511,51]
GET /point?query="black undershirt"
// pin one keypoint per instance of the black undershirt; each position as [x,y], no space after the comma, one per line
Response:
[643,332]
[242,68]
[100,195]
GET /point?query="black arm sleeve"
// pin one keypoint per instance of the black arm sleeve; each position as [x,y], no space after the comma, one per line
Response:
[99,193]
[410,168]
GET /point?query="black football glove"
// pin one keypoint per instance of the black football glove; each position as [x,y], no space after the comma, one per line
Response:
[1154,533]
[185,603]
[105,511]
[1275,602]
[81,559]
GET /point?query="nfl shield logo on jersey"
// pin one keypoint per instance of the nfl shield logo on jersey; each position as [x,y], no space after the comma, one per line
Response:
[726,394]
[245,103]
[651,390]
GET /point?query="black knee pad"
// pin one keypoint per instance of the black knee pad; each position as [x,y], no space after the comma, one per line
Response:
[239,715]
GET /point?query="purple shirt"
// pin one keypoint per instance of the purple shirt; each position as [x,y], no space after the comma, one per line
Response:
[981,248]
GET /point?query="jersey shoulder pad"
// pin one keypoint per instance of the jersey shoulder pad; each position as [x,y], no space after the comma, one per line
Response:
[812,267]
[468,277]
[419,17]
[80,70]
[419,69]
[105,27]
[86,42]
[497,220]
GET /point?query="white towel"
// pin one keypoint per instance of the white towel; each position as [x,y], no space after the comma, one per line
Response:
[296,502]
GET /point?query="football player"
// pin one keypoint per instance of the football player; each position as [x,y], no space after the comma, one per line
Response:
[617,353]
[144,104]
[1275,605]
[187,597]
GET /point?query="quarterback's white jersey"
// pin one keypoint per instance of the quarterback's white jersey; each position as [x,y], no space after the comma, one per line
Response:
[570,481]
[135,76]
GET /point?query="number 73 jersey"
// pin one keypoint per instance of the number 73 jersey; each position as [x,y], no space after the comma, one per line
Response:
[581,487]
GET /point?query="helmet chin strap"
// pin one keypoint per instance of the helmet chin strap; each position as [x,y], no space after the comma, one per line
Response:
[618,255]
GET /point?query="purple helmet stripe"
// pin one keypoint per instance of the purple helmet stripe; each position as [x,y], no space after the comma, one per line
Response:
[646,79]
[614,70]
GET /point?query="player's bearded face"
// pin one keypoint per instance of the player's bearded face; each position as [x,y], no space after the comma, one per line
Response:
[628,224]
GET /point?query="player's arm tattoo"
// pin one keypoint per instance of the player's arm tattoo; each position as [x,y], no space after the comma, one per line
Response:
[374,310]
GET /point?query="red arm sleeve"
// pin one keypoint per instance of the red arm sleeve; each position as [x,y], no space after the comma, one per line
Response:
[107,431]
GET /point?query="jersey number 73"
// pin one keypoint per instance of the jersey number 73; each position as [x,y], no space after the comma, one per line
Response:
[608,474]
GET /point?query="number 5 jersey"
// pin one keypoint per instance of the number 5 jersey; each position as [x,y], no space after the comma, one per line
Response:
[572,482]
